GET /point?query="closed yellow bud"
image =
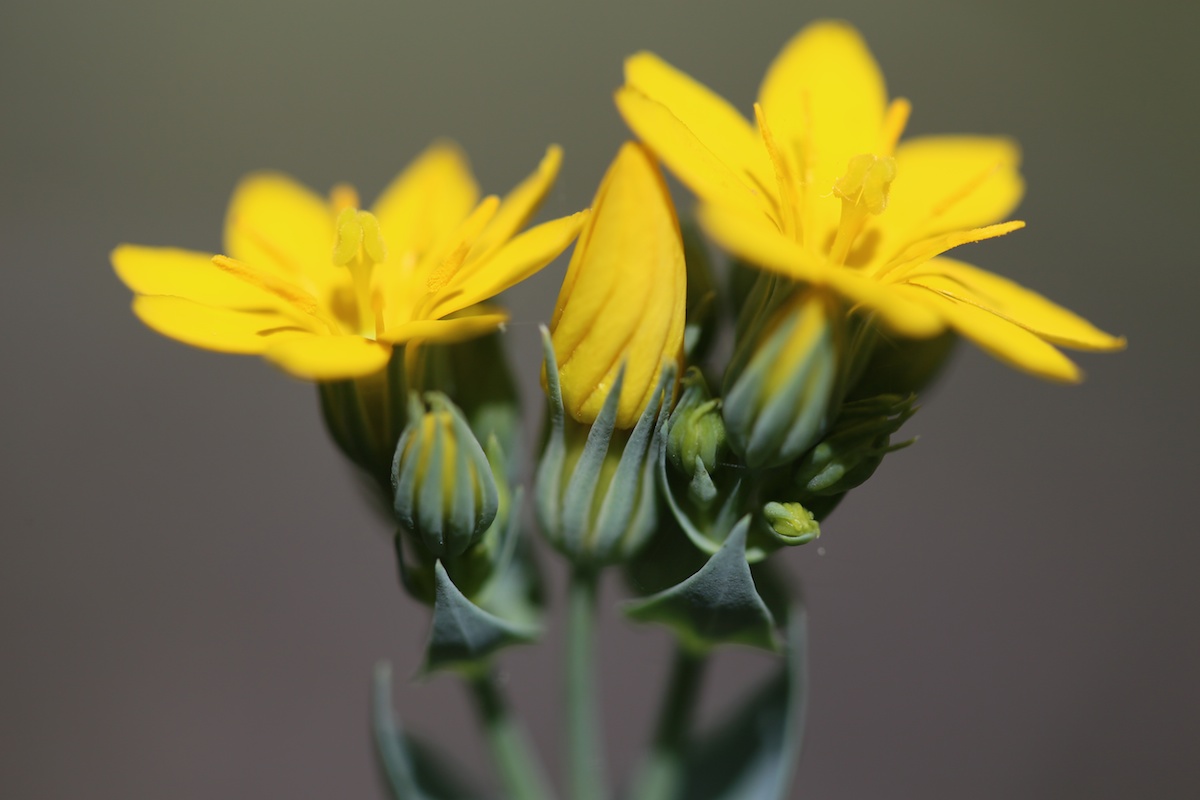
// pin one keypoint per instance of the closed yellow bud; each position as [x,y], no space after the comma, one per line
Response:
[625,293]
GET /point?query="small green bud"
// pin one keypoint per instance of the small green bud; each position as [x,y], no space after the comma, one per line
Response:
[791,523]
[776,405]
[855,447]
[696,430]
[445,492]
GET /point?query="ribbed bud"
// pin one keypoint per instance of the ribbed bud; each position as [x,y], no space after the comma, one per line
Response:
[776,405]
[855,446]
[445,492]
[596,485]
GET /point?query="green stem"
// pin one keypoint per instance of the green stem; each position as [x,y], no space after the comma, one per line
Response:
[661,777]
[585,751]
[520,773]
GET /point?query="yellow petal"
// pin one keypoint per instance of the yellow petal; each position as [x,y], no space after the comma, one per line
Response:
[1010,343]
[623,301]
[918,253]
[715,123]
[328,358]
[697,167]
[519,205]
[512,263]
[222,329]
[946,183]
[1013,302]
[769,249]
[188,274]
[448,331]
[283,227]
[292,295]
[825,98]
[426,203]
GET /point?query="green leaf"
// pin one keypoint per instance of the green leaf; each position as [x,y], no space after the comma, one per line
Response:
[414,771]
[718,605]
[753,753]
[463,635]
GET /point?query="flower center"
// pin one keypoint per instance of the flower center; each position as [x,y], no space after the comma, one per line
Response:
[864,193]
[358,246]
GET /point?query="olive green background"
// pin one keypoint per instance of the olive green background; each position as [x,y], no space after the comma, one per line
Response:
[192,595]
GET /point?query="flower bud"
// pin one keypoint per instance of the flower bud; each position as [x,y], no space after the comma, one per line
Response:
[596,485]
[696,431]
[791,523]
[445,492]
[622,303]
[855,446]
[776,405]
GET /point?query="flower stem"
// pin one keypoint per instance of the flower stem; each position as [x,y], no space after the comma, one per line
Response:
[585,750]
[520,773]
[661,776]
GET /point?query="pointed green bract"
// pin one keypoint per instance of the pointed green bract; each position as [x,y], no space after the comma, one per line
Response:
[718,605]
[463,636]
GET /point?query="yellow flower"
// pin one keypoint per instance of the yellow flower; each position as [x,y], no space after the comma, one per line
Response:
[623,299]
[324,289]
[821,189]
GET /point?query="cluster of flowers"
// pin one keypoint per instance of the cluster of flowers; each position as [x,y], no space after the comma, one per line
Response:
[843,299]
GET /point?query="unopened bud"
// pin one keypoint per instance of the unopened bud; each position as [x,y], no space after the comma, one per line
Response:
[696,430]
[776,406]
[791,523]
[855,446]
[445,491]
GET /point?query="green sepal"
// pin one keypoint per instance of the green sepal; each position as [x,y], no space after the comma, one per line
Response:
[718,605]
[753,753]
[596,513]
[462,635]
[365,417]
[904,366]
[412,769]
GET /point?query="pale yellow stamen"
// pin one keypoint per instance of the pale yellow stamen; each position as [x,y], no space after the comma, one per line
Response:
[864,191]
[358,246]
[293,295]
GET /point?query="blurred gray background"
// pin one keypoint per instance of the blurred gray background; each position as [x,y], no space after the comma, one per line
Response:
[192,595]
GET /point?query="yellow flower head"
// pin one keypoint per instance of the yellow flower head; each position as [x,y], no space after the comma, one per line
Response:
[324,288]
[624,296]
[820,189]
